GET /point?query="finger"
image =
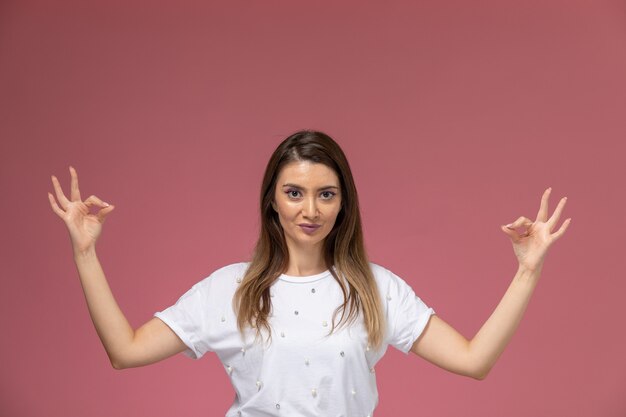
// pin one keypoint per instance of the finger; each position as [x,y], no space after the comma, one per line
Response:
[521,221]
[102,214]
[512,233]
[557,213]
[561,230]
[542,215]
[59,192]
[93,200]
[55,206]
[74,193]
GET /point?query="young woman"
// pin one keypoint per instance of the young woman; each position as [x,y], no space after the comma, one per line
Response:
[300,327]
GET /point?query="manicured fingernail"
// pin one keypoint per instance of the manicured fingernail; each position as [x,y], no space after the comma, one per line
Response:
[509,225]
[105,204]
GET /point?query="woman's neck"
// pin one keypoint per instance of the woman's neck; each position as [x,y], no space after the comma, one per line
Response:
[305,262]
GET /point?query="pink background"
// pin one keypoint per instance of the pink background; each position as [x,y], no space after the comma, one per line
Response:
[455,117]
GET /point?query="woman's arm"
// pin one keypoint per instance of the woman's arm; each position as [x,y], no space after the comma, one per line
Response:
[125,347]
[442,345]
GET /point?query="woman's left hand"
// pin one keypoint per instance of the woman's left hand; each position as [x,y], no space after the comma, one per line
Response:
[531,246]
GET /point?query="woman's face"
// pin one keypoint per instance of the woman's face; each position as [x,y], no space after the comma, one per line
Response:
[307,193]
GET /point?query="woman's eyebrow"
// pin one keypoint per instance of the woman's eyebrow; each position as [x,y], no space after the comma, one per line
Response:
[298,186]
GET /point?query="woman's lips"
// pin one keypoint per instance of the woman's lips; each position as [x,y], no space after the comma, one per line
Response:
[309,229]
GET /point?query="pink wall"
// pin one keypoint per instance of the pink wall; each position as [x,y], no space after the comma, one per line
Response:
[455,117]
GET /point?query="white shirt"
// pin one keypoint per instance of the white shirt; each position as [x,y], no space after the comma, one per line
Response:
[300,372]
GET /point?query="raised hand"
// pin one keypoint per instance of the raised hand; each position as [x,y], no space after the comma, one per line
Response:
[531,246]
[83,226]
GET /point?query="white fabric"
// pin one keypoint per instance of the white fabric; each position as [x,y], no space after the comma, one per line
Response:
[300,373]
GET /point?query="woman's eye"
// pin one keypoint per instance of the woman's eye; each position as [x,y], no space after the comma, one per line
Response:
[326,195]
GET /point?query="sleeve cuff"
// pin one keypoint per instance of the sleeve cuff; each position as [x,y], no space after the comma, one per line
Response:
[417,330]
[191,350]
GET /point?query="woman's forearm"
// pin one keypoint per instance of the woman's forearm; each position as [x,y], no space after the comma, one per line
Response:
[113,329]
[495,334]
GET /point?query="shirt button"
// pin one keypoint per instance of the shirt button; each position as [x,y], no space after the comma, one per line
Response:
[306,362]
[314,392]
[342,354]
[295,312]
[277,406]
[313,290]
[238,280]
[324,323]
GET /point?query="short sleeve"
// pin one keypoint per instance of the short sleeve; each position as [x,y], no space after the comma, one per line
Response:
[188,319]
[408,314]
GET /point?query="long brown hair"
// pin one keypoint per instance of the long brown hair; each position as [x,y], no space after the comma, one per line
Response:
[343,247]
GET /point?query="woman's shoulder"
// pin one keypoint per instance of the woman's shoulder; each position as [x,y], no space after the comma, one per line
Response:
[387,279]
[227,276]
[380,272]
[236,268]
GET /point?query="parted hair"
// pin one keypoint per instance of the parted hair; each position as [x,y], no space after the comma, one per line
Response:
[344,249]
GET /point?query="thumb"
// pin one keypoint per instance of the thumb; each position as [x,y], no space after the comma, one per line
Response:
[509,232]
[103,213]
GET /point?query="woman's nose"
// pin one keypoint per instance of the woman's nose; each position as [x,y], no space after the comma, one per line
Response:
[310,207]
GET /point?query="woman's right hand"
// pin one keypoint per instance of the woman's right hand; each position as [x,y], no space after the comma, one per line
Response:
[83,226]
